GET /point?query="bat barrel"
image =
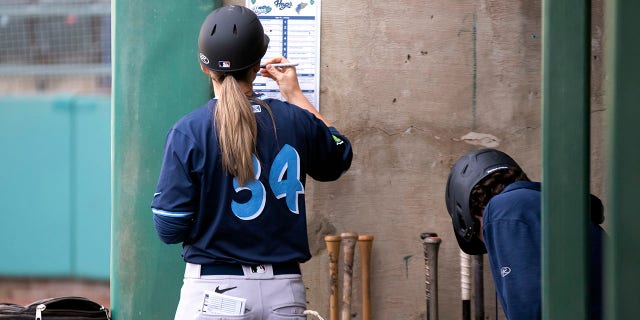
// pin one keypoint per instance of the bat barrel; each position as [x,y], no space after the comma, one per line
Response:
[365,243]
[349,240]
[333,248]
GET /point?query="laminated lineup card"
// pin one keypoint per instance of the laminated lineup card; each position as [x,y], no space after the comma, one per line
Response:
[294,31]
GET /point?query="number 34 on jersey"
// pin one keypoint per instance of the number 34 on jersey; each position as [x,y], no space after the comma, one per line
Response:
[286,162]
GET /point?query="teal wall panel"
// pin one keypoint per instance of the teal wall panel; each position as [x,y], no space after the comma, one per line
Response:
[54,186]
[35,187]
[92,187]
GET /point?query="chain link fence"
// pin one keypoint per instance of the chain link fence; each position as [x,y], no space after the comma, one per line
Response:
[55,46]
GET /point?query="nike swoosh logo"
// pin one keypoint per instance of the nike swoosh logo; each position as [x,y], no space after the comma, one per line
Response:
[218,290]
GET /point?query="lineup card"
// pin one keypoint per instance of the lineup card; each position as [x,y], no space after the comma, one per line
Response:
[293,28]
[216,303]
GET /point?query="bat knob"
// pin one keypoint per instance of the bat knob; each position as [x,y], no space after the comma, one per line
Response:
[349,235]
[425,235]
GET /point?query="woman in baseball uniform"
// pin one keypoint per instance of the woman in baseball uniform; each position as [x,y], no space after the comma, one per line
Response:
[231,187]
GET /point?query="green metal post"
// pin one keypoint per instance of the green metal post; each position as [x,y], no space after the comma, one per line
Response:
[565,158]
[623,102]
[156,80]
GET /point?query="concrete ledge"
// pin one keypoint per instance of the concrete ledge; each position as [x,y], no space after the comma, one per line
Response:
[24,291]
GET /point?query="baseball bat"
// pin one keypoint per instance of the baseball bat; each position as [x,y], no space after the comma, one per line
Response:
[365,243]
[478,286]
[465,284]
[348,245]
[333,248]
[431,243]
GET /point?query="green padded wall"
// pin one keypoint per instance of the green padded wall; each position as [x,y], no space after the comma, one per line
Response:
[622,53]
[565,158]
[156,80]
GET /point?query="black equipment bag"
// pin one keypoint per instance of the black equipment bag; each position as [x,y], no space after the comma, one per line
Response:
[61,308]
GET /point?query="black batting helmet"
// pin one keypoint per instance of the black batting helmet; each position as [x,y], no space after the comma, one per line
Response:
[231,39]
[470,169]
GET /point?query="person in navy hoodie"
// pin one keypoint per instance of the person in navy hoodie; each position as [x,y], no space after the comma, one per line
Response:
[496,209]
[231,186]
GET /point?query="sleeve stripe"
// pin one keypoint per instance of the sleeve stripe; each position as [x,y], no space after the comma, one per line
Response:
[171,214]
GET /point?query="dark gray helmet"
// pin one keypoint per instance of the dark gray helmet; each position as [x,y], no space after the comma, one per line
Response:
[470,169]
[231,39]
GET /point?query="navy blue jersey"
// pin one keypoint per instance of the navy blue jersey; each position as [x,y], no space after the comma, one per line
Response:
[201,205]
[511,231]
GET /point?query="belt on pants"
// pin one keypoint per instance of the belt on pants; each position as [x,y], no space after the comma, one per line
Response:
[234,269]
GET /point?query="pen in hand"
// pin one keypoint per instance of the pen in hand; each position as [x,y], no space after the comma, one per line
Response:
[279,65]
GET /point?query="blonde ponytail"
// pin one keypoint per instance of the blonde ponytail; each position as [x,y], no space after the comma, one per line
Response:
[237,129]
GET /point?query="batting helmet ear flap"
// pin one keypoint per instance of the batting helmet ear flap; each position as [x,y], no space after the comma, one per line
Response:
[474,246]
[467,229]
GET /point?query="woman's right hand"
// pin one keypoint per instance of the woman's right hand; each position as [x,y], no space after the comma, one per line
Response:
[287,80]
[285,77]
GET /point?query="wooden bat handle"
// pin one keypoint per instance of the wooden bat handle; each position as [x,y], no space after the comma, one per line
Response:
[333,248]
[349,240]
[364,245]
